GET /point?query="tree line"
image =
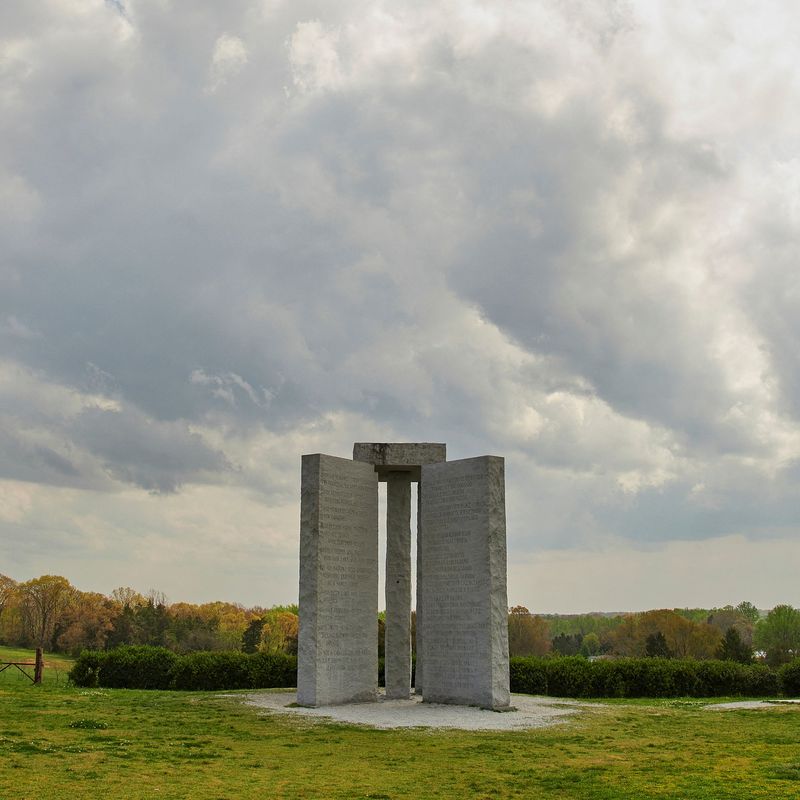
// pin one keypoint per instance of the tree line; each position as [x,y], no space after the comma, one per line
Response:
[51,613]
[732,633]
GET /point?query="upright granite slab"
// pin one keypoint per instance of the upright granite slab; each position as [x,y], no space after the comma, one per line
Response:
[337,644]
[464,597]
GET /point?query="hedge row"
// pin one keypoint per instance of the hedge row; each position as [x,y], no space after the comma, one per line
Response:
[143,667]
[574,676]
[790,678]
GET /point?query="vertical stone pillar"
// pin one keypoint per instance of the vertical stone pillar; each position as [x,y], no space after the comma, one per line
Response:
[465,623]
[406,457]
[338,639]
[398,586]
[418,613]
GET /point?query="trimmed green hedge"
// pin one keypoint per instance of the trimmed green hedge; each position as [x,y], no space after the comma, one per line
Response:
[790,678]
[144,667]
[574,676]
[136,667]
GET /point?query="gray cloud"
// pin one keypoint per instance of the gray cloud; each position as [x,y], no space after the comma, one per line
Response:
[157,456]
[264,228]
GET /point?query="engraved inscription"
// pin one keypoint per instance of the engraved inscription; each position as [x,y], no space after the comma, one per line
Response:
[457,581]
[342,664]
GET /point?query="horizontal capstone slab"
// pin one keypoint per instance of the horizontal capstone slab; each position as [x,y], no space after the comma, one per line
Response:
[399,456]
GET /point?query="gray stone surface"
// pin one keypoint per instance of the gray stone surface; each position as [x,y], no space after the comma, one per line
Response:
[398,586]
[464,597]
[418,678]
[399,456]
[337,645]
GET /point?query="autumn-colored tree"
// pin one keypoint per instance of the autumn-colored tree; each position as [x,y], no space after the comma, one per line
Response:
[125,596]
[10,616]
[684,638]
[8,589]
[723,619]
[677,630]
[704,641]
[190,627]
[232,621]
[86,623]
[279,634]
[528,635]
[626,640]
[43,601]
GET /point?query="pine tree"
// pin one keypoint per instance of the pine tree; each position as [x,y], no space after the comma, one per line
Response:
[732,648]
[656,646]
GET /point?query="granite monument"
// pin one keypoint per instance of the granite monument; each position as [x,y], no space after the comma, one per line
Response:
[461,604]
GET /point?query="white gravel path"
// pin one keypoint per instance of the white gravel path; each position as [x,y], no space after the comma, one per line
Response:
[738,704]
[532,712]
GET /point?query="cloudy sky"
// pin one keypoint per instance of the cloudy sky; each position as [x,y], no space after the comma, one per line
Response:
[563,232]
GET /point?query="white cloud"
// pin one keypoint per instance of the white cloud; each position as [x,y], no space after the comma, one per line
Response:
[563,232]
[227,61]
[314,58]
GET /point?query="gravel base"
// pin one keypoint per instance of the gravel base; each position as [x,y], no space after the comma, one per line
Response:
[738,704]
[531,712]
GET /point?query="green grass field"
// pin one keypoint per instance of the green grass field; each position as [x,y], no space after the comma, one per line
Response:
[100,743]
[56,667]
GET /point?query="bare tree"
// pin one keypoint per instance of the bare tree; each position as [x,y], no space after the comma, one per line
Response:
[126,596]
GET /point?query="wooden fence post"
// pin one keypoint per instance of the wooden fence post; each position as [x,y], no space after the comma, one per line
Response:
[39,667]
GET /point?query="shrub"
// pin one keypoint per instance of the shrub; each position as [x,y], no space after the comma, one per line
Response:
[85,671]
[528,675]
[641,677]
[790,678]
[137,667]
[569,676]
[208,671]
[273,670]
[762,681]
[719,678]
[144,667]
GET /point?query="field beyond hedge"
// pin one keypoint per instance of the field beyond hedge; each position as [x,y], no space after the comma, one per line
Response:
[56,667]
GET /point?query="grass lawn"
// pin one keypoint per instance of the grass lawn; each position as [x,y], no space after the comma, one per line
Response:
[100,743]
